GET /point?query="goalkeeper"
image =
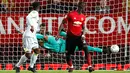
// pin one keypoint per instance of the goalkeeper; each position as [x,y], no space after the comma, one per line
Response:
[56,44]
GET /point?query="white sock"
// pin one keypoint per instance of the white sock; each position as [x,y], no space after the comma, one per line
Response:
[89,66]
[71,66]
[22,60]
[33,60]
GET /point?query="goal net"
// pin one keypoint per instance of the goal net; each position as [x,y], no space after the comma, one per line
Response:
[107,23]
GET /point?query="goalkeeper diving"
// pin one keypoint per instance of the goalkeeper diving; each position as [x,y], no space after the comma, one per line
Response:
[57,43]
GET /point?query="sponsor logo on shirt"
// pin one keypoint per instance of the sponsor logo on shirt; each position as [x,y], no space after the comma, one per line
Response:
[77,23]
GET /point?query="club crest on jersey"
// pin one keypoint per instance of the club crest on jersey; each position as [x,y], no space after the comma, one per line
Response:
[76,23]
[82,19]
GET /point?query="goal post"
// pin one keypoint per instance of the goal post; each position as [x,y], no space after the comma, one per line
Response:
[107,23]
[126,28]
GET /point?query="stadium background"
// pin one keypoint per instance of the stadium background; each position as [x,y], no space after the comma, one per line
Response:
[12,17]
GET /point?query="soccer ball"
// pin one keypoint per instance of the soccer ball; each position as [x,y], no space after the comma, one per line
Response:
[114,48]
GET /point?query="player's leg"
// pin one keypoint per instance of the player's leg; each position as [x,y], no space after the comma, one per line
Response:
[32,62]
[34,57]
[36,51]
[26,56]
[21,61]
[70,47]
[88,59]
[94,49]
[84,46]
[97,49]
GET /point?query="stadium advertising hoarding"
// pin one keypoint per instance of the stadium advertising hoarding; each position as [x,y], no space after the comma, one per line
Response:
[99,28]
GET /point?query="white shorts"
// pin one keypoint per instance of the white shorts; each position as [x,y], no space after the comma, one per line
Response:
[29,44]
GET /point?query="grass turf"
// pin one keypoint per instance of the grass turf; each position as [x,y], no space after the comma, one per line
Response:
[63,71]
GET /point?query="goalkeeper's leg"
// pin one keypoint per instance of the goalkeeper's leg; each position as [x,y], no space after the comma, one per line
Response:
[97,49]
[92,49]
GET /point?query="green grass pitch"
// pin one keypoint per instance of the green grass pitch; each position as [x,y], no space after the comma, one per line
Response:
[63,71]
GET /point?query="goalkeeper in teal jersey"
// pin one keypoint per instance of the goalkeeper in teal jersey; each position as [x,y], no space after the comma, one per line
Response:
[57,45]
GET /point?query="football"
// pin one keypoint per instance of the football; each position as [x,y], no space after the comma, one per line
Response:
[114,48]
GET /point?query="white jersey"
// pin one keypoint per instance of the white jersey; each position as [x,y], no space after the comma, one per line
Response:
[32,20]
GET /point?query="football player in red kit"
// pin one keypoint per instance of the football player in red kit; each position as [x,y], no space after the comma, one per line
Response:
[76,35]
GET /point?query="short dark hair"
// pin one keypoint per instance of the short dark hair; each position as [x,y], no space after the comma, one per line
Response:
[48,33]
[42,25]
[35,5]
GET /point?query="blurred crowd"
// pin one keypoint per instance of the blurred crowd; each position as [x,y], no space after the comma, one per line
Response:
[62,6]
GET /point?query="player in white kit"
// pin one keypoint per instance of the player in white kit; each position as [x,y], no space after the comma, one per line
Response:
[29,39]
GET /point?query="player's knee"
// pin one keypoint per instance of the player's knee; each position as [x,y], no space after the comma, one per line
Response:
[37,51]
[28,55]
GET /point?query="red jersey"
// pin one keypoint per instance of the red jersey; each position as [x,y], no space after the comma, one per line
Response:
[75,22]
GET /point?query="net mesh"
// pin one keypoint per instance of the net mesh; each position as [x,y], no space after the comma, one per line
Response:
[105,23]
